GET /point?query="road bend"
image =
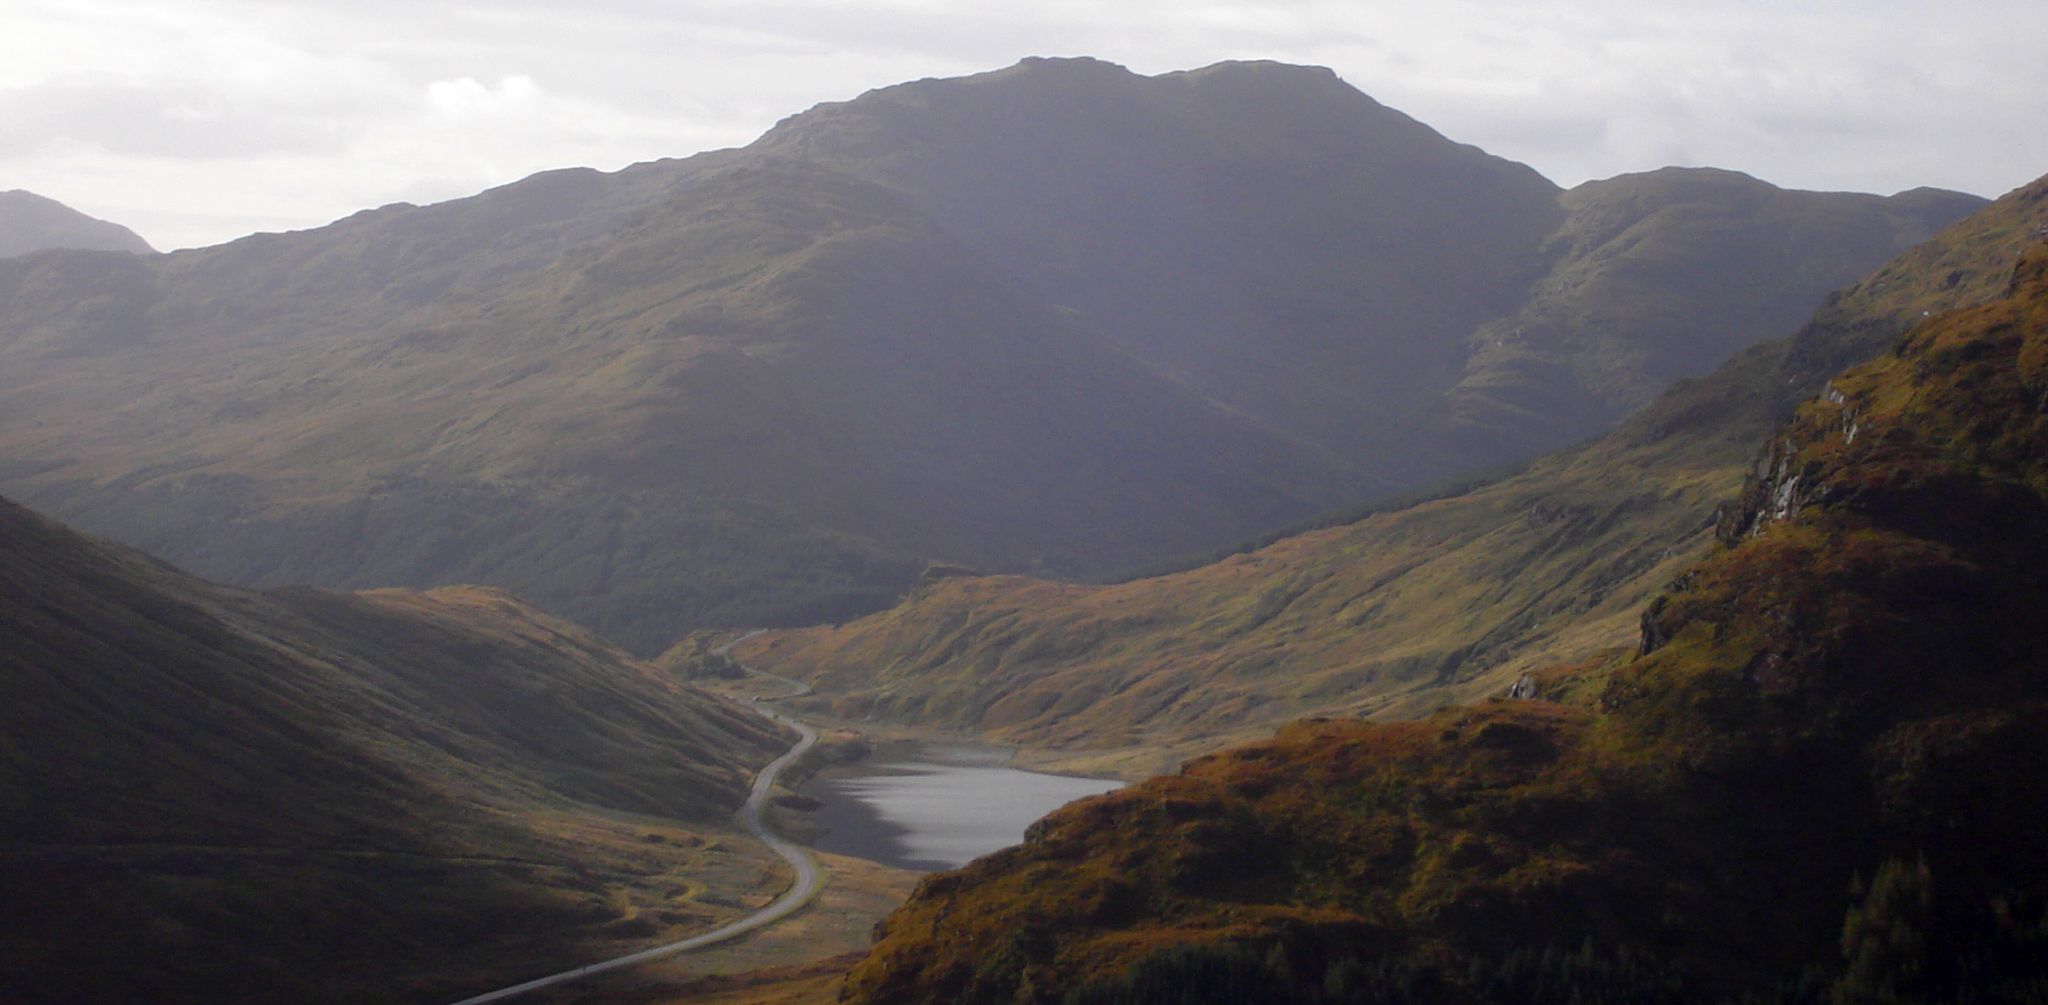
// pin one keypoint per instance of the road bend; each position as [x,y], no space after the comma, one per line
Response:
[793,899]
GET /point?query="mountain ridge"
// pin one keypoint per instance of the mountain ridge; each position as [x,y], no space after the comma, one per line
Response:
[768,385]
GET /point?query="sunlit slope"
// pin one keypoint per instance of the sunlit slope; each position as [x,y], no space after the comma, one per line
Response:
[1397,612]
[1061,318]
[1819,780]
[215,795]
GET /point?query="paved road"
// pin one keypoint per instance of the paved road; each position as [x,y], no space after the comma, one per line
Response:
[799,859]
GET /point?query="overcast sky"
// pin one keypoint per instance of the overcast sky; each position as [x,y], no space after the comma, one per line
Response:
[198,121]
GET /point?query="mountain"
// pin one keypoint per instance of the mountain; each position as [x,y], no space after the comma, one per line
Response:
[1058,318]
[1817,779]
[1342,271]
[1623,311]
[1290,247]
[215,795]
[1394,612]
[30,222]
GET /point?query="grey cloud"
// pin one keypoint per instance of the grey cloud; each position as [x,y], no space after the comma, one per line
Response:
[155,121]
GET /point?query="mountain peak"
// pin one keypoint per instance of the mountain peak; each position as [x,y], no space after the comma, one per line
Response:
[1231,70]
[1080,115]
[31,222]
[1072,65]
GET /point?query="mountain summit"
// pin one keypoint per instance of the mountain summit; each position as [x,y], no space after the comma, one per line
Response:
[1297,251]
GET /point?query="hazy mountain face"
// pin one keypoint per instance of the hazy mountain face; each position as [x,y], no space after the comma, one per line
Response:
[1292,248]
[1059,317]
[29,222]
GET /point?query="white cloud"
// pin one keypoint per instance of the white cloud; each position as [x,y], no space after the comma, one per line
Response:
[464,97]
[197,120]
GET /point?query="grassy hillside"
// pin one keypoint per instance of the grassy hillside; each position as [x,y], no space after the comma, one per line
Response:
[1396,613]
[1623,313]
[222,796]
[30,222]
[1060,318]
[1818,779]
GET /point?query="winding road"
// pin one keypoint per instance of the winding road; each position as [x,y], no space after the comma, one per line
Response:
[799,893]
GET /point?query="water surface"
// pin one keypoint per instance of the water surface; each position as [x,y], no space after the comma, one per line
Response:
[936,806]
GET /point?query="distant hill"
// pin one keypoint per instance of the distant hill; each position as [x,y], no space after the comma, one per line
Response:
[30,222]
[212,795]
[1059,318]
[1818,779]
[1394,612]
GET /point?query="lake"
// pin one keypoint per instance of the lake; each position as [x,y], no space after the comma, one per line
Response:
[934,806]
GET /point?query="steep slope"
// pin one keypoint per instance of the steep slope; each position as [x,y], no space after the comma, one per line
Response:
[727,441]
[1291,247]
[30,222]
[1398,611]
[1820,778]
[1624,310]
[214,795]
[1345,273]
[1059,318]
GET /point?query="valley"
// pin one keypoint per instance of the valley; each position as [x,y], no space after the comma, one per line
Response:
[372,794]
[1836,705]
[1051,536]
[895,813]
[803,886]
[1394,613]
